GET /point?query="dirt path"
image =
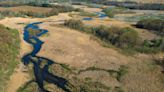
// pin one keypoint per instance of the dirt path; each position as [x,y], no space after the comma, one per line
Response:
[17,80]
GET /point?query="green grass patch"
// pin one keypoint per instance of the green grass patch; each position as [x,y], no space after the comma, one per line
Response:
[88,14]
[111,12]
[9,51]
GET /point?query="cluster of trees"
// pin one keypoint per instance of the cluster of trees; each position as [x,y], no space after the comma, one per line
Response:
[152,46]
[45,3]
[129,4]
[120,37]
[152,24]
[125,38]
[135,5]
[132,4]
[146,6]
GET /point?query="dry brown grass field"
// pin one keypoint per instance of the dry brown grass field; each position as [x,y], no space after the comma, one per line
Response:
[26,9]
[87,64]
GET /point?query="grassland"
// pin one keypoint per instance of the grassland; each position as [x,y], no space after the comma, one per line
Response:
[26,8]
[34,11]
[9,51]
[87,65]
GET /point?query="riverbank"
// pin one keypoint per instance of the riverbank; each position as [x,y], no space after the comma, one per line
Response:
[9,53]
[19,78]
[87,64]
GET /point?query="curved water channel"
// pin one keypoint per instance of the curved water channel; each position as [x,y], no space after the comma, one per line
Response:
[41,73]
[99,14]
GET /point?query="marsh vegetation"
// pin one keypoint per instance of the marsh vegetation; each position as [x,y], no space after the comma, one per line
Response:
[125,38]
[98,55]
[9,53]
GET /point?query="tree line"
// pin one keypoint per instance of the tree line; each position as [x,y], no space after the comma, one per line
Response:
[124,38]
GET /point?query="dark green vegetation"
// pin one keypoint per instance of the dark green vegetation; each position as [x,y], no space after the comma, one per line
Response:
[160,62]
[124,38]
[9,51]
[156,25]
[135,5]
[128,4]
[109,12]
[152,24]
[140,17]
[132,4]
[88,14]
[152,46]
[112,11]
[92,5]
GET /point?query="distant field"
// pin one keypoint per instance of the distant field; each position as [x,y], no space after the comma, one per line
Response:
[26,9]
[148,1]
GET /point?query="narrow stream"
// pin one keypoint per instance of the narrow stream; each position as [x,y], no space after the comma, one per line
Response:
[99,14]
[41,73]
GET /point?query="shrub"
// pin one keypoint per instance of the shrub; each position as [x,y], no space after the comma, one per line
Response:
[63,8]
[134,5]
[123,38]
[152,46]
[101,32]
[122,71]
[74,24]
[152,24]
[129,38]
[110,12]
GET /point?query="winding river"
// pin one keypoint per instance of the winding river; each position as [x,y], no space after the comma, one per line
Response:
[41,73]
